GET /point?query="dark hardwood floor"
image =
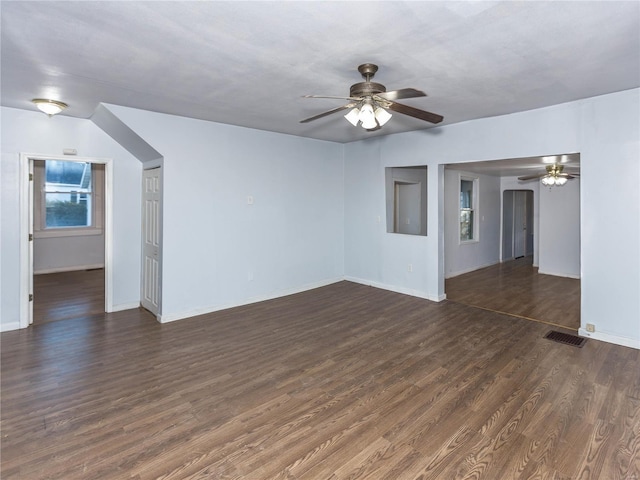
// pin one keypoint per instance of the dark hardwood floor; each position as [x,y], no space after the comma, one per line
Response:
[342,382]
[58,296]
[516,288]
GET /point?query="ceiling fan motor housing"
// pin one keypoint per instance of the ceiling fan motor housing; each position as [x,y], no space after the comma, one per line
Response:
[367,88]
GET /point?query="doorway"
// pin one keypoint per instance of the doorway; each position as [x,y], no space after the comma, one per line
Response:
[517,224]
[522,229]
[57,213]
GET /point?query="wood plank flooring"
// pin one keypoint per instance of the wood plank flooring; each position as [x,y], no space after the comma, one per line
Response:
[516,288]
[58,296]
[342,382]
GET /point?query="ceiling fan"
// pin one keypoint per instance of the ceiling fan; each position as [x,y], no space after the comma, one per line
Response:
[554,176]
[369,102]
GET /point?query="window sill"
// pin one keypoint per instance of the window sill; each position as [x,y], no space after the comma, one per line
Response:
[67,232]
[468,242]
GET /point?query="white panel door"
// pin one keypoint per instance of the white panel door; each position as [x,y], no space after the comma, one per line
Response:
[151,239]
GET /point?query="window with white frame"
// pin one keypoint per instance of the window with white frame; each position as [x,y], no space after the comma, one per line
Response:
[68,196]
[468,209]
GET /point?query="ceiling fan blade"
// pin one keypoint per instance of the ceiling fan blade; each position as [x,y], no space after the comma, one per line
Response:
[415,112]
[329,112]
[402,93]
[531,177]
[331,96]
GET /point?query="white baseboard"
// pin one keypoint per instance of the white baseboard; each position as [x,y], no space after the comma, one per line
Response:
[559,274]
[75,268]
[469,270]
[172,317]
[6,327]
[395,288]
[124,306]
[606,337]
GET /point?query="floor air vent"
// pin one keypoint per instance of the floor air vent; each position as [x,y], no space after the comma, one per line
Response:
[566,338]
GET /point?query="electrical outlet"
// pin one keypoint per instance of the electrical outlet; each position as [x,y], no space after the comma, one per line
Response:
[410,268]
[250,276]
[591,327]
[250,200]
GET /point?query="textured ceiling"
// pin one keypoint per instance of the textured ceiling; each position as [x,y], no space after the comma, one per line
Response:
[249,63]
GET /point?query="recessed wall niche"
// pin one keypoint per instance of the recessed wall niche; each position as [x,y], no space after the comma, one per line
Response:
[406,194]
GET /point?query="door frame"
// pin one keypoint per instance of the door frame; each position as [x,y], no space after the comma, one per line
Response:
[26,229]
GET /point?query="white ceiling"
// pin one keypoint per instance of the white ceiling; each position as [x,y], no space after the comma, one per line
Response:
[249,63]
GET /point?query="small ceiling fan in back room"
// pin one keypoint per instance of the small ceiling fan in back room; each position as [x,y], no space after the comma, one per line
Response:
[369,103]
[554,176]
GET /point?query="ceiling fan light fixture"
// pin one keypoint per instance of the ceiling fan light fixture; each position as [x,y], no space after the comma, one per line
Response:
[353,116]
[367,117]
[373,100]
[382,116]
[548,181]
[560,181]
[50,107]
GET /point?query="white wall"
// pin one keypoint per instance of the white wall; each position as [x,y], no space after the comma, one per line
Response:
[610,210]
[605,130]
[219,251]
[373,256]
[559,233]
[33,132]
[306,205]
[469,256]
[64,254]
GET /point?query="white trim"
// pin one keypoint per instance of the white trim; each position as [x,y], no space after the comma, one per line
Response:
[125,306]
[607,337]
[26,247]
[71,232]
[75,268]
[260,298]
[26,264]
[108,236]
[558,274]
[472,269]
[394,288]
[6,327]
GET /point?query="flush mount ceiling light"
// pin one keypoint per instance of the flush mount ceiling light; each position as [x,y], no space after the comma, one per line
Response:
[50,107]
[370,101]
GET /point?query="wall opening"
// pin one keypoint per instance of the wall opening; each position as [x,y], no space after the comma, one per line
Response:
[406,197]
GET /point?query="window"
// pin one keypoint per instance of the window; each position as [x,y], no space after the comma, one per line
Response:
[68,197]
[468,207]
[68,194]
